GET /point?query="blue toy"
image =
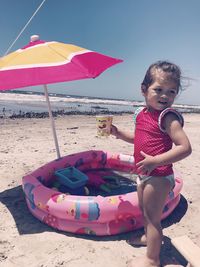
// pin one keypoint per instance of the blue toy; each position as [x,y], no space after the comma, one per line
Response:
[71,181]
[79,191]
[71,177]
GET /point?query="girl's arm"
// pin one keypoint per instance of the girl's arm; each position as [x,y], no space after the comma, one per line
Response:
[181,150]
[119,134]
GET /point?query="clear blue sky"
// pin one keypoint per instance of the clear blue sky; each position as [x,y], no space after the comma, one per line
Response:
[137,31]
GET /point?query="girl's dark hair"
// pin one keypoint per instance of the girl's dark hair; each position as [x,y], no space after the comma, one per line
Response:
[171,69]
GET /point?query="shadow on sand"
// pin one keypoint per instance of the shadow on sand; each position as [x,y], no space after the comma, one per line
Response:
[15,202]
[169,254]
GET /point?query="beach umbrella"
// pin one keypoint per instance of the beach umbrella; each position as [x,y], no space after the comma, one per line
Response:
[41,63]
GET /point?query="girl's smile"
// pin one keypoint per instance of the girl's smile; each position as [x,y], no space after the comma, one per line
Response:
[160,94]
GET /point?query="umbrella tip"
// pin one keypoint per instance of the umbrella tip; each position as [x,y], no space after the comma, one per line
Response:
[34,38]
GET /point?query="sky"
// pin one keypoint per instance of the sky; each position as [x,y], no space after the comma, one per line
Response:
[138,31]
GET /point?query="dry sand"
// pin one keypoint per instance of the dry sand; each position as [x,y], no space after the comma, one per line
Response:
[26,144]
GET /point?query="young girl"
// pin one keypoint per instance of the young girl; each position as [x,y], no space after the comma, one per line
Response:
[157,128]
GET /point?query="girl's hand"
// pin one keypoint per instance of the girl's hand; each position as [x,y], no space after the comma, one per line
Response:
[147,165]
[119,134]
[114,130]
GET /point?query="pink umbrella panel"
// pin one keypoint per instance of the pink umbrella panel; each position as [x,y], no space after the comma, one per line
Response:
[42,63]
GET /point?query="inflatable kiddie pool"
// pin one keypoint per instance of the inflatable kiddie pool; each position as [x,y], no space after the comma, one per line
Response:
[94,215]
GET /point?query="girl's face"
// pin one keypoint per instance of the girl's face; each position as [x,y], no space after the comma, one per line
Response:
[160,94]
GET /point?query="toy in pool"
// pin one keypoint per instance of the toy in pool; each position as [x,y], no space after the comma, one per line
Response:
[70,180]
[94,215]
[103,180]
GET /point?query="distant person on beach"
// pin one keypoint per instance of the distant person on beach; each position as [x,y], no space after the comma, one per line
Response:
[158,127]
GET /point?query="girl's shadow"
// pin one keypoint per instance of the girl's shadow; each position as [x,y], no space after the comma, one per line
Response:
[170,255]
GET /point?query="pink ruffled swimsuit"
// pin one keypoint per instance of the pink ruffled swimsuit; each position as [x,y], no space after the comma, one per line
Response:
[151,138]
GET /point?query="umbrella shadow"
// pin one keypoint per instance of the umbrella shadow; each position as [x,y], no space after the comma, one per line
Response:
[173,218]
[26,223]
[15,202]
[177,213]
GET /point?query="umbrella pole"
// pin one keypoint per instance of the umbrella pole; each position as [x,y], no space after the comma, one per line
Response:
[52,122]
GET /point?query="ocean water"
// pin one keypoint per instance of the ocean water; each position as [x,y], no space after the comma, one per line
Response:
[23,104]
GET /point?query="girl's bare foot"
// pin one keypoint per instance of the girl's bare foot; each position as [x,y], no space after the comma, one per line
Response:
[138,241]
[143,262]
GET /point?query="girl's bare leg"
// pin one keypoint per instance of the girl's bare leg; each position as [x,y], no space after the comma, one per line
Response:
[154,196]
[140,240]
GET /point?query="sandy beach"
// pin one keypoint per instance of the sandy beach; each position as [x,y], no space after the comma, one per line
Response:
[26,144]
